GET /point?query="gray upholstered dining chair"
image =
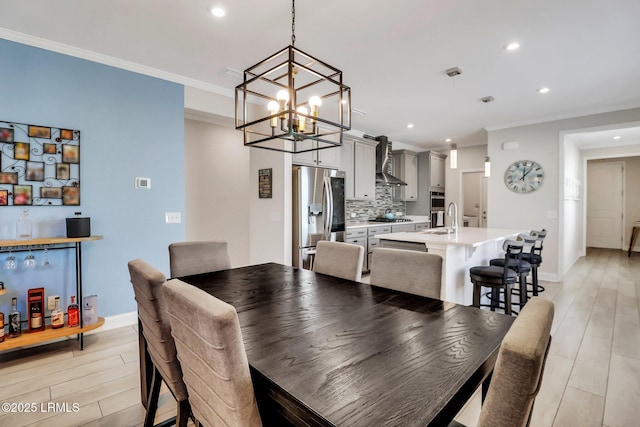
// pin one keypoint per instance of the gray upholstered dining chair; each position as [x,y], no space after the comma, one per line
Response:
[211,351]
[517,375]
[188,258]
[414,272]
[339,259]
[147,285]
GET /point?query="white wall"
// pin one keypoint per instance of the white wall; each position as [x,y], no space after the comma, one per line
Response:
[573,218]
[217,187]
[259,230]
[542,209]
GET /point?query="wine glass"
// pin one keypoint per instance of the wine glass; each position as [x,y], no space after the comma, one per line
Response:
[10,263]
[45,262]
[30,261]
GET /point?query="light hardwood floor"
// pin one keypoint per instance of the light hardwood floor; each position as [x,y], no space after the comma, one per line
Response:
[592,377]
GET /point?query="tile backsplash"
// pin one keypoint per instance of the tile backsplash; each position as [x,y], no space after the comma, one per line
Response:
[365,209]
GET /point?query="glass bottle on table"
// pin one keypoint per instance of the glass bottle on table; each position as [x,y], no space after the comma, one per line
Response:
[57,316]
[1,326]
[15,330]
[73,313]
[23,226]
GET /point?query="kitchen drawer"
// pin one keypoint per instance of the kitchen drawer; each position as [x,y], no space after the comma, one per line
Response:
[423,226]
[379,230]
[360,241]
[356,232]
[403,227]
[373,243]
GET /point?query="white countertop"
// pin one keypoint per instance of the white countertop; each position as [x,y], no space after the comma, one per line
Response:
[415,219]
[466,236]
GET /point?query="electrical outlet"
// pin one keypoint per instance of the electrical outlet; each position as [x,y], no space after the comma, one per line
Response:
[172,217]
[353,215]
[51,302]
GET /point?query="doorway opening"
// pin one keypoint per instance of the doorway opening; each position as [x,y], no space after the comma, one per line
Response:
[474,199]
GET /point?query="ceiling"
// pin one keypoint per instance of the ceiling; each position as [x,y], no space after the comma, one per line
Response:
[392,55]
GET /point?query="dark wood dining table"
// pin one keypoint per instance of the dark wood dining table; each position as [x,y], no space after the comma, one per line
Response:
[325,351]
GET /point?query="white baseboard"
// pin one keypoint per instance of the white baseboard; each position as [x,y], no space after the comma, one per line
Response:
[117,321]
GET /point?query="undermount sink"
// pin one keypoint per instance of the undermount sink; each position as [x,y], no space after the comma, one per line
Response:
[439,231]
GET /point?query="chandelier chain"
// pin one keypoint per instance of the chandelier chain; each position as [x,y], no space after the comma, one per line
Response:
[293,22]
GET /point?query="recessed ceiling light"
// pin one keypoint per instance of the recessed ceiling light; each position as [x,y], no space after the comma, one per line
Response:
[447,140]
[512,46]
[409,125]
[543,90]
[218,12]
[616,137]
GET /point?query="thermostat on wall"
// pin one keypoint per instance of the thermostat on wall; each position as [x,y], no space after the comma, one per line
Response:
[143,183]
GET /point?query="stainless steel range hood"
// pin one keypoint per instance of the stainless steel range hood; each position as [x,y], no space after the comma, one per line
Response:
[383,156]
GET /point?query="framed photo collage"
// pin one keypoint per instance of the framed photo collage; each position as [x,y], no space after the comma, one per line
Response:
[39,165]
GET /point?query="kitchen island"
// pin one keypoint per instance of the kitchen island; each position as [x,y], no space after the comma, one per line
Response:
[466,248]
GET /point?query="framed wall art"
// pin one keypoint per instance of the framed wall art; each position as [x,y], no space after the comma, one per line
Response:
[39,165]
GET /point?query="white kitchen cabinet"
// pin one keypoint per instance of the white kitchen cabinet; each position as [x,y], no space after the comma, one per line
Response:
[347,165]
[359,237]
[358,161]
[325,158]
[364,171]
[422,226]
[405,167]
[437,169]
[403,227]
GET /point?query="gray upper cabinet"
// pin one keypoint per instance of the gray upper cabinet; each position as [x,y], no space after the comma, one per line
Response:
[437,170]
[358,161]
[431,177]
[325,158]
[405,167]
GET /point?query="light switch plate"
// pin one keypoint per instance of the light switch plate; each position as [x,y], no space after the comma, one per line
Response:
[172,217]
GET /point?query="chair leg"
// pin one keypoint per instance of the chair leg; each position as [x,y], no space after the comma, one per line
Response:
[534,279]
[152,403]
[507,299]
[523,290]
[184,411]
[476,294]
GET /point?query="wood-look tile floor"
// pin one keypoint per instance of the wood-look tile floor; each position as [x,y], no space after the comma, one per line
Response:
[592,377]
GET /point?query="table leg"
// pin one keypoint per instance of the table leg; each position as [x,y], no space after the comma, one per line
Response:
[634,236]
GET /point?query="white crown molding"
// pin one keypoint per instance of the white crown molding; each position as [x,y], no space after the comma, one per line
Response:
[591,112]
[111,61]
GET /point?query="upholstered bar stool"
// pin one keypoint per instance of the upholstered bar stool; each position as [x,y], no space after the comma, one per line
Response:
[535,259]
[520,266]
[497,278]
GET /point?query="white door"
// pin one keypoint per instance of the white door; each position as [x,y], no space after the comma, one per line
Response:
[604,205]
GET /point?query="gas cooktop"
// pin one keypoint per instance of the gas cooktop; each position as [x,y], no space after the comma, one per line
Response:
[383,219]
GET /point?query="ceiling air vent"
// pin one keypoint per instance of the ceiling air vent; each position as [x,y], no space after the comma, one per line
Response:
[487,99]
[234,74]
[452,72]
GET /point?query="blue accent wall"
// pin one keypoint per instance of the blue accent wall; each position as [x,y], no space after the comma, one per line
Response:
[131,126]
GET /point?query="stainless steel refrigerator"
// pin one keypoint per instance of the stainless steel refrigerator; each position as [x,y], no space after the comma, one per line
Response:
[318,210]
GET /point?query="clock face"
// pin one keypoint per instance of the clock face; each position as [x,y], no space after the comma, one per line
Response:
[524,176]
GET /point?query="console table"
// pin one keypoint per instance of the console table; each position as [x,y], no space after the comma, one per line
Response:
[40,244]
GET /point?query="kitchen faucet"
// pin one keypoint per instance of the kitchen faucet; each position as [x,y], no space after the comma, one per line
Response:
[454,223]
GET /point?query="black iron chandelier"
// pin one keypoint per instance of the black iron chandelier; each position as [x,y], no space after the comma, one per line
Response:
[292,102]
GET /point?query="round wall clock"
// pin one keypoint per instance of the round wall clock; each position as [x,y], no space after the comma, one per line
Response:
[524,176]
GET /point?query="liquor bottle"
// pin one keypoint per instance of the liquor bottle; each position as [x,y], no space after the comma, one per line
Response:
[23,226]
[35,319]
[73,314]
[15,330]
[57,316]
[1,326]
